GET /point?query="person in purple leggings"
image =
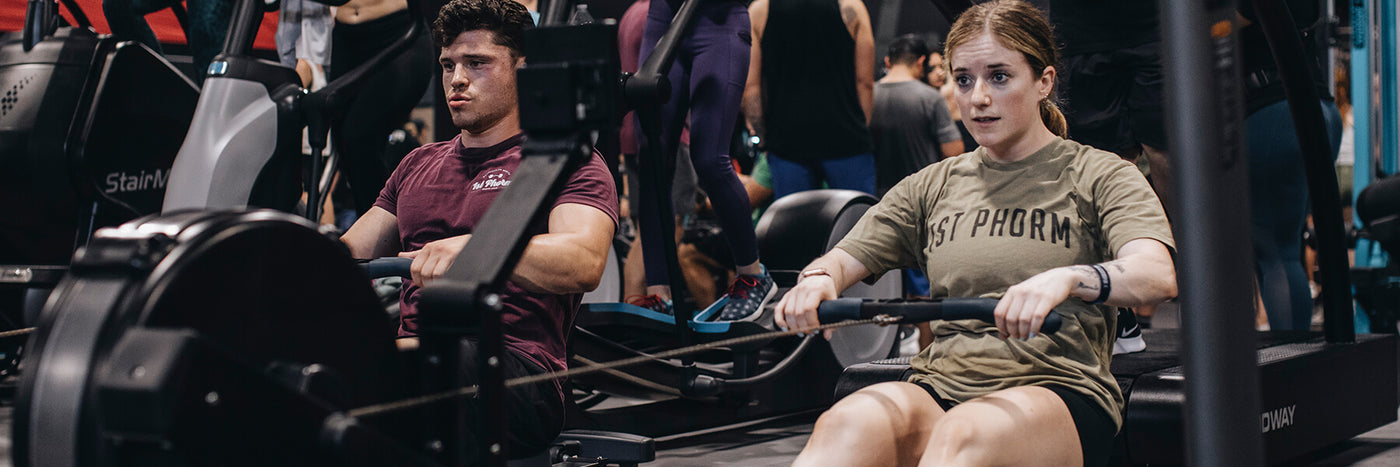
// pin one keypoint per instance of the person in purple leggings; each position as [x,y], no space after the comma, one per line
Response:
[707,80]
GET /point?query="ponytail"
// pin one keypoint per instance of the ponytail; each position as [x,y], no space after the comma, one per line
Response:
[1052,117]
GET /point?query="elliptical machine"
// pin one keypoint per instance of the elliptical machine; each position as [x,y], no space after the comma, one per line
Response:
[244,144]
[88,130]
[89,127]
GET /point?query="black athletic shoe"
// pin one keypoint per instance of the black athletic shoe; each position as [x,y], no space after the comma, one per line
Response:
[1129,333]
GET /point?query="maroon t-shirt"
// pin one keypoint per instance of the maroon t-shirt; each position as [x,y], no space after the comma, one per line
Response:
[441,190]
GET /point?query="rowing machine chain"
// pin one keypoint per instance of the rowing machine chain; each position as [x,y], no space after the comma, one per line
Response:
[469,391]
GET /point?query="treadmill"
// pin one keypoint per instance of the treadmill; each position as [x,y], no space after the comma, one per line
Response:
[1192,397]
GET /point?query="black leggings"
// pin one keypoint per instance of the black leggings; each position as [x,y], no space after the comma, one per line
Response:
[1095,427]
[383,103]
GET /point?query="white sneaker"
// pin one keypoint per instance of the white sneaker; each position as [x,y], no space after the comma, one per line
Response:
[1129,334]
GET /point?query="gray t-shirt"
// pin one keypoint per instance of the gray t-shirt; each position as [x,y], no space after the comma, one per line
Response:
[909,121]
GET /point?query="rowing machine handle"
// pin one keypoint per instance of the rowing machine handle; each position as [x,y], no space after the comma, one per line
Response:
[388,267]
[843,309]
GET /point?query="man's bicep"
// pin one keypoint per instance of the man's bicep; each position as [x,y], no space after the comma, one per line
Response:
[589,226]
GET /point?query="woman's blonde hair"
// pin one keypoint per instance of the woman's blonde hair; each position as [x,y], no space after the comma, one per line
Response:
[1018,26]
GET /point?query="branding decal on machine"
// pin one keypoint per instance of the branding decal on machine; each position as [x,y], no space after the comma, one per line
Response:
[1276,419]
[123,182]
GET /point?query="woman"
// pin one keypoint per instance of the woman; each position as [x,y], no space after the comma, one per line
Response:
[1046,223]
[707,81]
[363,28]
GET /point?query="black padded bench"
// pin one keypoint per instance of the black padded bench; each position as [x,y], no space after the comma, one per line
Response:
[860,375]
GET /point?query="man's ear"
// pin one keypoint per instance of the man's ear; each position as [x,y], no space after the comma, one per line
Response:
[887,62]
[520,62]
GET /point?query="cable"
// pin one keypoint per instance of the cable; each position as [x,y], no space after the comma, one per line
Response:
[16,332]
[387,407]
[652,385]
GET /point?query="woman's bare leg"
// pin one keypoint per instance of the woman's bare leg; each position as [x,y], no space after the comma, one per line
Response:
[885,424]
[1020,426]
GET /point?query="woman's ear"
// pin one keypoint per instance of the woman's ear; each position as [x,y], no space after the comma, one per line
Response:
[1047,81]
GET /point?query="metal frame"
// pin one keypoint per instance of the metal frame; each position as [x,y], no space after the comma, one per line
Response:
[1205,128]
[1373,71]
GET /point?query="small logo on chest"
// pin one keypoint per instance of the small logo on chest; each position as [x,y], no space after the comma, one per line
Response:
[492,180]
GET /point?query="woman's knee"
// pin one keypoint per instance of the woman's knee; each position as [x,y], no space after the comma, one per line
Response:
[955,441]
[894,408]
[852,414]
[881,425]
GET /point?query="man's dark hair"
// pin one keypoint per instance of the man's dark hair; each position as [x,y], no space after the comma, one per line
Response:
[907,49]
[506,18]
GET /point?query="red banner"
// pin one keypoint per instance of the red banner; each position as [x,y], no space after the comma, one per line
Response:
[163,22]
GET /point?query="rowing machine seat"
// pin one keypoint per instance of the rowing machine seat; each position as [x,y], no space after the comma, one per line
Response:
[861,375]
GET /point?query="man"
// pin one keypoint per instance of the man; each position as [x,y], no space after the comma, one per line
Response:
[809,92]
[1111,79]
[431,204]
[912,128]
[911,125]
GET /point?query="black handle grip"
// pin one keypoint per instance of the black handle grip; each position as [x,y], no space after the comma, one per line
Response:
[388,267]
[843,309]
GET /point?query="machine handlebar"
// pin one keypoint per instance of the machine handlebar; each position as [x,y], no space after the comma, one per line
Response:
[915,311]
[388,267]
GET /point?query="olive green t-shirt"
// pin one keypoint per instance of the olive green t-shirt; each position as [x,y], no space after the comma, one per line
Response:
[977,227]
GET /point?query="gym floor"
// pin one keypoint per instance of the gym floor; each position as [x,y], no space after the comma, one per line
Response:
[777,441]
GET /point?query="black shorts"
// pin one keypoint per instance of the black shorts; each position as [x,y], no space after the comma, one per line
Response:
[535,412]
[1113,99]
[1095,426]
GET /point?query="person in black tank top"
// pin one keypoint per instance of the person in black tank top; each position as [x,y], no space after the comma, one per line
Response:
[809,92]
